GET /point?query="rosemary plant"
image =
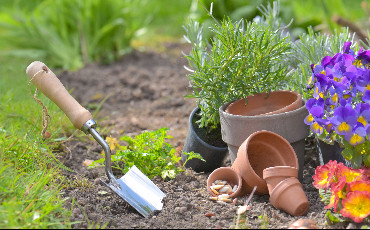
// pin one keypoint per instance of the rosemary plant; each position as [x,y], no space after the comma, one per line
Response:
[242,59]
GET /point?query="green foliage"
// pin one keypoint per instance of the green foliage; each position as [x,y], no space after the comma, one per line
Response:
[264,224]
[243,58]
[30,200]
[71,33]
[150,153]
[334,217]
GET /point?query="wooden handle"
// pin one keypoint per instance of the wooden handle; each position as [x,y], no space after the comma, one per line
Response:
[46,81]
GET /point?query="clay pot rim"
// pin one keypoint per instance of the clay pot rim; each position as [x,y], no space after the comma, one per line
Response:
[272,93]
[263,116]
[238,190]
[280,188]
[283,170]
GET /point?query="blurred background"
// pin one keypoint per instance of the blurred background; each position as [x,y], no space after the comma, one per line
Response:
[72,33]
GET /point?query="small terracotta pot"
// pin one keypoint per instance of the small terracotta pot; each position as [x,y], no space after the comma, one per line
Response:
[266,104]
[227,174]
[274,175]
[289,196]
[262,149]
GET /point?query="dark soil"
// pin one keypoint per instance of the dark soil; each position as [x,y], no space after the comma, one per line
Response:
[145,91]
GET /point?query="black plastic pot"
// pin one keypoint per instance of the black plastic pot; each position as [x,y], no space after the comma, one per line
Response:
[329,152]
[213,155]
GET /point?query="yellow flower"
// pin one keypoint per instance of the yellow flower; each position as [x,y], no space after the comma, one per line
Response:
[356,205]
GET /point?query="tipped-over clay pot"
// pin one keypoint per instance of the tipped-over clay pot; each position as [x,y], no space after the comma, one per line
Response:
[226,174]
[289,196]
[262,149]
[265,104]
[274,175]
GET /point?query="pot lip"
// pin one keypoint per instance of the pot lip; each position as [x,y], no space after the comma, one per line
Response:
[275,93]
[234,194]
[278,171]
[301,110]
[197,137]
[281,187]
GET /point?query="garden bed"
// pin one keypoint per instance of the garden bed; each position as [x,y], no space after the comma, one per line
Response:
[145,91]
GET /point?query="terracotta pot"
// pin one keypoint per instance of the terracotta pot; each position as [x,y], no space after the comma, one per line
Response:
[264,104]
[274,175]
[289,196]
[237,128]
[214,155]
[227,174]
[262,149]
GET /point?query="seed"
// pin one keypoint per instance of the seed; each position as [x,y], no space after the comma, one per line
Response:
[217,187]
[225,189]
[242,209]
[235,188]
[221,202]
[223,196]
[213,198]
[234,201]
[214,191]
[217,182]
[224,199]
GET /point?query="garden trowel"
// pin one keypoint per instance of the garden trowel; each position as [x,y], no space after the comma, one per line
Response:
[134,187]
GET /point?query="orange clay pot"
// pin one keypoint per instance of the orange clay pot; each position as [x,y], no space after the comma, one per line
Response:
[274,175]
[262,149]
[227,174]
[289,196]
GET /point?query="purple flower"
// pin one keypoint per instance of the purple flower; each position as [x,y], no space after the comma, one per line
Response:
[366,97]
[364,57]
[363,113]
[316,128]
[344,119]
[346,47]
[357,136]
[316,107]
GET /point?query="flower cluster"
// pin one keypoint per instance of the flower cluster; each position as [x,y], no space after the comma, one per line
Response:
[339,109]
[349,189]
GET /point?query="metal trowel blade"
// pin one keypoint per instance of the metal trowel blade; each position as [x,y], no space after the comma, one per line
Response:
[139,191]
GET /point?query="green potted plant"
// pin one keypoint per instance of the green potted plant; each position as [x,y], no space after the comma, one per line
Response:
[243,58]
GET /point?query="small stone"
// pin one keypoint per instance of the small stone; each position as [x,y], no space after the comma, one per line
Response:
[303,224]
[76,211]
[209,214]
[97,181]
[213,218]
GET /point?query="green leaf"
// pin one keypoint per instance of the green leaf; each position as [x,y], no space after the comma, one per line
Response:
[325,196]
[356,160]
[334,217]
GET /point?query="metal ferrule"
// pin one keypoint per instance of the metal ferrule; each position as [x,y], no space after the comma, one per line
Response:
[88,125]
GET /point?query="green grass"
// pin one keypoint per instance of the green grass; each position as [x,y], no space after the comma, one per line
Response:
[30,200]
[30,195]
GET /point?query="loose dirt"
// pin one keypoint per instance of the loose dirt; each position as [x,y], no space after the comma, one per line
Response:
[145,91]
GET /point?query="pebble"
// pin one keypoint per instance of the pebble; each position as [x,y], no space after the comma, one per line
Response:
[76,211]
[210,214]
[97,181]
